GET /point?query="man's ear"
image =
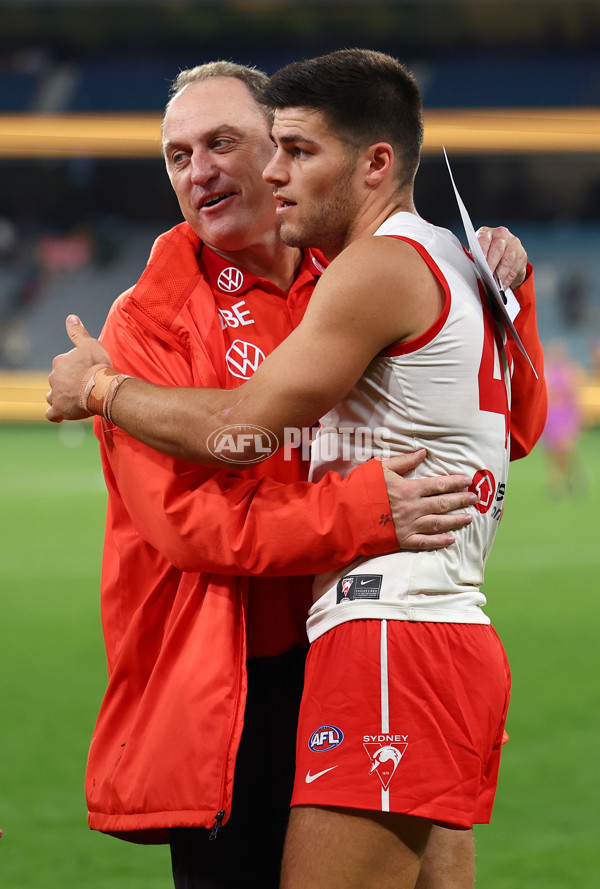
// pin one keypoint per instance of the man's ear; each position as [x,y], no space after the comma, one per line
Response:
[379,159]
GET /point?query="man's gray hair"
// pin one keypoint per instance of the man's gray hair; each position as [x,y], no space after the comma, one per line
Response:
[254,79]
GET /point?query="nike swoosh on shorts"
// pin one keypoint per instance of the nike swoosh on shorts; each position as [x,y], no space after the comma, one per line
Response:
[310,778]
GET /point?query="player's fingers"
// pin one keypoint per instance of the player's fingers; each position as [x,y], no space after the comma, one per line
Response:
[76,331]
[53,416]
[56,360]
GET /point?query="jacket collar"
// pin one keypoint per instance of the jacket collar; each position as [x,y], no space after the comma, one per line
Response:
[232,280]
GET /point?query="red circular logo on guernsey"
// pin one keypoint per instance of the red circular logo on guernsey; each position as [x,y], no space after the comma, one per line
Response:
[484,485]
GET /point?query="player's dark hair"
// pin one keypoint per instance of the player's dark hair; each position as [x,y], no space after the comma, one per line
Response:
[365,96]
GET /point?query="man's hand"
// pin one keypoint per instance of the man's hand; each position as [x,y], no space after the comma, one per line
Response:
[68,371]
[421,506]
[505,254]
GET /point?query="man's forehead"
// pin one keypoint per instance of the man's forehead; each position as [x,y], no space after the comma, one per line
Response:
[224,99]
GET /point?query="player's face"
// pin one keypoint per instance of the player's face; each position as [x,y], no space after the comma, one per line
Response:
[216,144]
[313,174]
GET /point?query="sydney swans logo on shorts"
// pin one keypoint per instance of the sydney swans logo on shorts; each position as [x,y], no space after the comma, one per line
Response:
[385,753]
[243,359]
[358,586]
[326,737]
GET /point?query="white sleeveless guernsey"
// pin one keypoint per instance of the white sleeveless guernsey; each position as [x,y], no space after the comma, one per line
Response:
[449,392]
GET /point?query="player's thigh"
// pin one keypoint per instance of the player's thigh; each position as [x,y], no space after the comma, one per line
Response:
[449,860]
[336,848]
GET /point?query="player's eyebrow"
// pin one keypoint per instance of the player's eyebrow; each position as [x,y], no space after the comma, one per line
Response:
[293,137]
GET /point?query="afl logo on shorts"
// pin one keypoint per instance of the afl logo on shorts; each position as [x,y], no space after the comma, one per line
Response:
[326,737]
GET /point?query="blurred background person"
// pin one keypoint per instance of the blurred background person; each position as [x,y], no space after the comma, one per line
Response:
[564,423]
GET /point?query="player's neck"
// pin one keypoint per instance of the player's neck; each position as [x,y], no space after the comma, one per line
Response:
[397,202]
[372,215]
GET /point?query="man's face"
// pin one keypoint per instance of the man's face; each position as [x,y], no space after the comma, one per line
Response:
[216,144]
[313,173]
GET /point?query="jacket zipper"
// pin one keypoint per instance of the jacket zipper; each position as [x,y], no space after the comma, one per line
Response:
[217,825]
[242,657]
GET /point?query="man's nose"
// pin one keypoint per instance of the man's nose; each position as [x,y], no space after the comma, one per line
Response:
[203,168]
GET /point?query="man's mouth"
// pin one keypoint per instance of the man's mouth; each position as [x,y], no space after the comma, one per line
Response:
[216,199]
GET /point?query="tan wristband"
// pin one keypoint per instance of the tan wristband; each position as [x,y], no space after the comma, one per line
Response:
[98,390]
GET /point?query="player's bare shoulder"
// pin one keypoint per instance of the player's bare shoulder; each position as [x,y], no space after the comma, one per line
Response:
[363,263]
[384,261]
[393,276]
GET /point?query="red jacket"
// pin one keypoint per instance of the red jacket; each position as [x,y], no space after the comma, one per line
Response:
[178,537]
[529,398]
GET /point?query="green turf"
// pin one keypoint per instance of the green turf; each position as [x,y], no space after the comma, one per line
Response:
[53,668]
[543,592]
[542,584]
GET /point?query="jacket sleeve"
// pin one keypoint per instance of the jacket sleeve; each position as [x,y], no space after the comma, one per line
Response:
[529,398]
[202,519]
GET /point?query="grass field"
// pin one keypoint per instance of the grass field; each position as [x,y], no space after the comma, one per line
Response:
[542,584]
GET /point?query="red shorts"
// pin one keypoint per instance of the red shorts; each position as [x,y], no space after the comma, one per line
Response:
[400,716]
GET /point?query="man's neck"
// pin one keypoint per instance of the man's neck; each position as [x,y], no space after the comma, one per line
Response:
[275,261]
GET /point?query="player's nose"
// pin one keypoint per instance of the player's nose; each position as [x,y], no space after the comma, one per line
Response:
[275,173]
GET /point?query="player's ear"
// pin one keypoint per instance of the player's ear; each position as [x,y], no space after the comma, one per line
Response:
[379,158]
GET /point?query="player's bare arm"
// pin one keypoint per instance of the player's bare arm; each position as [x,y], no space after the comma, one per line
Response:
[69,369]
[419,507]
[378,291]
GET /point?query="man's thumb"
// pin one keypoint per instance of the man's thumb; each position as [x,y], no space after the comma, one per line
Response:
[76,331]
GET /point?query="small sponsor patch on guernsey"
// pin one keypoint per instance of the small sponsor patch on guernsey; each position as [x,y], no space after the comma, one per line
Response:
[359,586]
